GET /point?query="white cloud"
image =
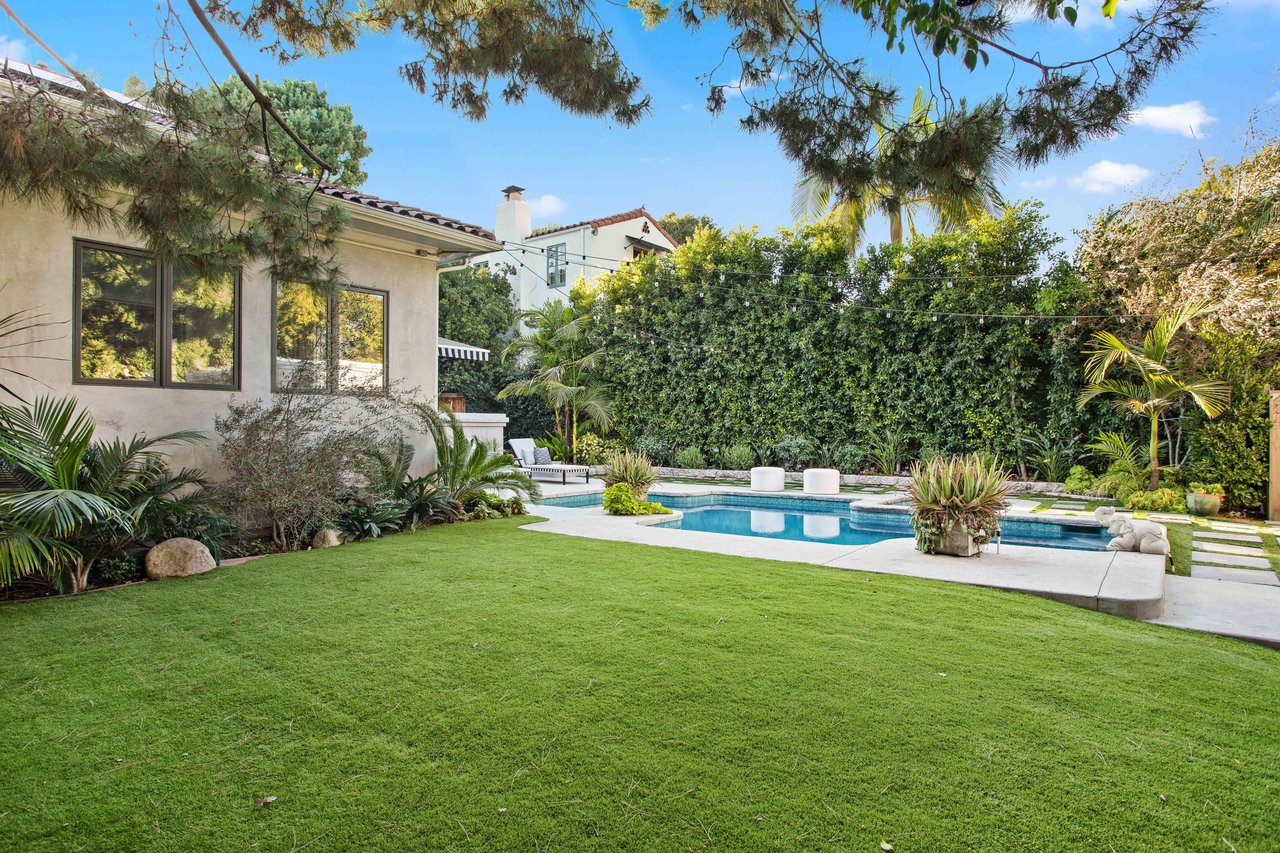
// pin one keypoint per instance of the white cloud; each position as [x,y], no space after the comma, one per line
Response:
[14,49]
[546,205]
[1108,176]
[1189,118]
[1039,183]
[1274,99]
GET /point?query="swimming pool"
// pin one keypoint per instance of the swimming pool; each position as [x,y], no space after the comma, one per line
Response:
[831,521]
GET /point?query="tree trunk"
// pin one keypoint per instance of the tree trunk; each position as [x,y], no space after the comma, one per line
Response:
[895,226]
[573,446]
[79,577]
[1155,450]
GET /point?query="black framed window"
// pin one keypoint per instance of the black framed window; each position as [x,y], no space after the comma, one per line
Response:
[141,323]
[557,265]
[335,343]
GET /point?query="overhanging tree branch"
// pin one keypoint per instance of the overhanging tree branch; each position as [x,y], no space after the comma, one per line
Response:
[252,86]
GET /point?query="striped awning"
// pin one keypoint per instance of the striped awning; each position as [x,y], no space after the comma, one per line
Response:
[453,349]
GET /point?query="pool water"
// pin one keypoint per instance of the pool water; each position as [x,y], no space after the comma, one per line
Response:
[831,521]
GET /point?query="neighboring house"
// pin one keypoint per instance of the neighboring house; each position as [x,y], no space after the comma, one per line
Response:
[547,261]
[144,354]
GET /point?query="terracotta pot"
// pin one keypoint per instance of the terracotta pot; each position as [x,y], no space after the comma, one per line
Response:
[1203,505]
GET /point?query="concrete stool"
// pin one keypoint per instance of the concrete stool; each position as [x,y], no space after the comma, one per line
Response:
[821,481]
[764,479]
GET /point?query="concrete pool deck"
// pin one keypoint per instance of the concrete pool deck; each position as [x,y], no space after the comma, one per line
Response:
[1121,583]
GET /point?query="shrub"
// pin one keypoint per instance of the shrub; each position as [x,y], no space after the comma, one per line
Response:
[691,457]
[1080,481]
[794,451]
[619,500]
[121,568]
[555,445]
[633,469]
[848,458]
[515,506]
[885,452]
[289,460]
[1207,489]
[654,447]
[1048,457]
[967,491]
[360,520]
[739,457]
[425,502]
[593,450]
[1159,500]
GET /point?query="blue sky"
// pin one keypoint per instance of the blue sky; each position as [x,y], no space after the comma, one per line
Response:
[681,158]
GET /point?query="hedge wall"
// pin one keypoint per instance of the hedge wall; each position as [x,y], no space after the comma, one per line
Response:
[743,337]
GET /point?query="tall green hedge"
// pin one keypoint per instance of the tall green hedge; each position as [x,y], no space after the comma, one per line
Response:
[747,338]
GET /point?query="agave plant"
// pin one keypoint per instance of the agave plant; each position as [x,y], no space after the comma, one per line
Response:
[82,498]
[956,492]
[465,467]
[631,468]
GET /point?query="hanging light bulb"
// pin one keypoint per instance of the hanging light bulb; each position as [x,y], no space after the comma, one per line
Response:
[935,318]
[982,321]
[1122,319]
[1028,321]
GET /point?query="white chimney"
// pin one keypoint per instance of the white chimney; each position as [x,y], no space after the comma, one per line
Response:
[513,222]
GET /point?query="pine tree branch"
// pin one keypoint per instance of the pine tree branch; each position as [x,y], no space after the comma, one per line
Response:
[258,95]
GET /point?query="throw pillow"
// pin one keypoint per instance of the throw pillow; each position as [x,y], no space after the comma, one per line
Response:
[541,456]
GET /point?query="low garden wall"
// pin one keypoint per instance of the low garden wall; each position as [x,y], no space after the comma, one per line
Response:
[901,483]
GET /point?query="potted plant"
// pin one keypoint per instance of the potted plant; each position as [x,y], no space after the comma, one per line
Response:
[955,501]
[631,468]
[1205,499]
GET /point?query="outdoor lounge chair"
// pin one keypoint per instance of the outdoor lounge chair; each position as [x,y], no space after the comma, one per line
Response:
[523,448]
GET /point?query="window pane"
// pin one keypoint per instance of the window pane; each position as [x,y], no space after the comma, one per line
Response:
[360,340]
[204,333]
[302,337]
[117,316]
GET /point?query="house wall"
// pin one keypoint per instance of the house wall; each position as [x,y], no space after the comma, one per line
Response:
[36,271]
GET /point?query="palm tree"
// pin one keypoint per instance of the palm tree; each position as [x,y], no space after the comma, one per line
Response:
[81,498]
[1153,387]
[563,374]
[955,184]
[466,467]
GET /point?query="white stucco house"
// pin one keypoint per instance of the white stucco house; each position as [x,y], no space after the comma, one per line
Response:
[137,347]
[545,262]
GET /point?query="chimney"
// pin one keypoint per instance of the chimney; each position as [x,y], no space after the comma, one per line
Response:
[513,221]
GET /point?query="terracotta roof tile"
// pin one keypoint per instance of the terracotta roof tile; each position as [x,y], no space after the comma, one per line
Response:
[625,216]
[367,200]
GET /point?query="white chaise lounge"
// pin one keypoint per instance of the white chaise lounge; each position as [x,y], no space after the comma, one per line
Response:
[523,449]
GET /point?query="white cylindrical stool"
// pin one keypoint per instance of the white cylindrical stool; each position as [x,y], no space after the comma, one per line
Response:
[821,481]
[765,479]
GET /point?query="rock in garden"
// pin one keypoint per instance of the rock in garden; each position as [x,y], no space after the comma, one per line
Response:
[177,558]
[326,538]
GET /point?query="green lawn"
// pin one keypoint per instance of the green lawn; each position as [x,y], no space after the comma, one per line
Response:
[481,687]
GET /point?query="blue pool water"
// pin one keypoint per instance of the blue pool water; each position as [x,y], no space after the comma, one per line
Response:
[832,521]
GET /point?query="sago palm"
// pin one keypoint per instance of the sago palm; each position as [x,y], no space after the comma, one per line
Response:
[466,467]
[1150,386]
[954,184]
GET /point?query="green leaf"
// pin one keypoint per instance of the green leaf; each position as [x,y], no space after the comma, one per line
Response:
[1070,14]
[970,59]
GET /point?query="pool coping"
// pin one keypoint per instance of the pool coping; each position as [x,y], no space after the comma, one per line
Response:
[1122,583]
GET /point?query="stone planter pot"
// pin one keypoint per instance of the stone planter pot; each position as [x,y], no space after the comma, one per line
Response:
[641,494]
[1203,505]
[958,543]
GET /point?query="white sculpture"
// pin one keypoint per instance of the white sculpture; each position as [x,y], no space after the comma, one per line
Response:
[1145,537]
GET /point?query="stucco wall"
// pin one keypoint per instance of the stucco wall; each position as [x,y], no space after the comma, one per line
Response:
[36,271]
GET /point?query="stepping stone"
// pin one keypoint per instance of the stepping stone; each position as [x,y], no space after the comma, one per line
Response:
[1232,527]
[1227,537]
[1230,560]
[1227,548]
[1221,573]
[1068,506]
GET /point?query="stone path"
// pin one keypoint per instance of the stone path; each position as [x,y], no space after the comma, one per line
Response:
[1226,573]
[1228,537]
[1229,559]
[1229,547]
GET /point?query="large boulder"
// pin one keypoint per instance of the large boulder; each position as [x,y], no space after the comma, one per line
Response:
[326,538]
[178,558]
